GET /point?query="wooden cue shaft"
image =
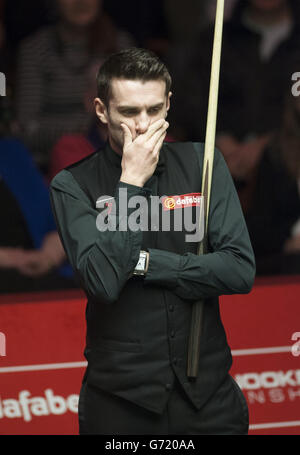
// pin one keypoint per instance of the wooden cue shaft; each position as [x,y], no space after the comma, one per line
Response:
[197,311]
[213,101]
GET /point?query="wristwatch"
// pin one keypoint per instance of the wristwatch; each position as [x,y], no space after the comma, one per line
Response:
[142,265]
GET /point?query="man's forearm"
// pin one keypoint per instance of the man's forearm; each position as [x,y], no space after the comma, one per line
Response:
[193,277]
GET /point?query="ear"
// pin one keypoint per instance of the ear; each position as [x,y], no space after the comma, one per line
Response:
[101,110]
[168,100]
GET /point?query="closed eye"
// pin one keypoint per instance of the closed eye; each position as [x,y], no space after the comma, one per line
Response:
[131,111]
[155,109]
[128,112]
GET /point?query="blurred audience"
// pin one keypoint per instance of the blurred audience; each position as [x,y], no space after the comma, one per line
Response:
[31,255]
[23,18]
[271,204]
[185,20]
[260,46]
[289,148]
[259,55]
[74,147]
[53,72]
[6,103]
[270,197]
[258,124]
[3,41]
[146,20]
[228,8]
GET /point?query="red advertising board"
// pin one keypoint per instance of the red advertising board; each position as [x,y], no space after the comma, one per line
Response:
[263,331]
[41,373]
[42,337]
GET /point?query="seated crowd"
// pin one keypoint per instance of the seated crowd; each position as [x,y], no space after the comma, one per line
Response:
[47,121]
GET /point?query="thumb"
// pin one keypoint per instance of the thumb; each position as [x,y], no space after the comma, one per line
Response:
[126,135]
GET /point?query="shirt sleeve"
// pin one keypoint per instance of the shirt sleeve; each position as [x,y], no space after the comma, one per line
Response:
[103,259]
[228,267]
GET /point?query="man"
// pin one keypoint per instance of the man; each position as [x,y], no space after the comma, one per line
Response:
[259,55]
[141,283]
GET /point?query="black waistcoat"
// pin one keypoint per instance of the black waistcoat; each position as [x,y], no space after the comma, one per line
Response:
[136,346]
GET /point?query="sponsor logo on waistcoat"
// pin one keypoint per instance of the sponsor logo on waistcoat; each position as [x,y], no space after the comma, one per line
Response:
[182,201]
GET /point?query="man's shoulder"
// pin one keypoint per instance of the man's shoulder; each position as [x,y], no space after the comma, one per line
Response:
[84,162]
[184,152]
[189,152]
[61,180]
[79,177]
[81,166]
[184,147]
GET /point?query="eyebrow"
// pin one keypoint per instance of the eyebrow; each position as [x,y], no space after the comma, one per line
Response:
[136,108]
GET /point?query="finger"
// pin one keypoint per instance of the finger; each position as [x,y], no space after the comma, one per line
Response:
[127,136]
[31,270]
[159,144]
[153,128]
[157,135]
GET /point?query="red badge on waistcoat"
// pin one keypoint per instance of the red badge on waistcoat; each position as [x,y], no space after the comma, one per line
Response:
[182,201]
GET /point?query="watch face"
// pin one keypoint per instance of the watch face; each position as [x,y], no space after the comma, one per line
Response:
[141,264]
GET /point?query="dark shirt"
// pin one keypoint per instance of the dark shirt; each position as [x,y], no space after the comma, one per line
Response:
[138,329]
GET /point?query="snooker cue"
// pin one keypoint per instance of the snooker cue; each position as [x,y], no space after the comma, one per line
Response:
[197,310]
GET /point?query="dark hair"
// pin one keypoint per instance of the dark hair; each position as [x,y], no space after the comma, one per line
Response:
[131,64]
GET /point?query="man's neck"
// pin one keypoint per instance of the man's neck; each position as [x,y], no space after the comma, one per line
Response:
[114,146]
[276,16]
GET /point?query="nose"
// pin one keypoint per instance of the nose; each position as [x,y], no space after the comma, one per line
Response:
[142,123]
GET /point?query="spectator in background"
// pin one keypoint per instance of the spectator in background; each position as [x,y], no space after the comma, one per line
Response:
[288,145]
[260,44]
[266,37]
[260,54]
[53,72]
[74,147]
[186,19]
[31,254]
[252,110]
[145,20]
[271,206]
[270,196]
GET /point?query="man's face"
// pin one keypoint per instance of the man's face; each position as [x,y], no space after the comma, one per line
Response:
[137,104]
[79,12]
